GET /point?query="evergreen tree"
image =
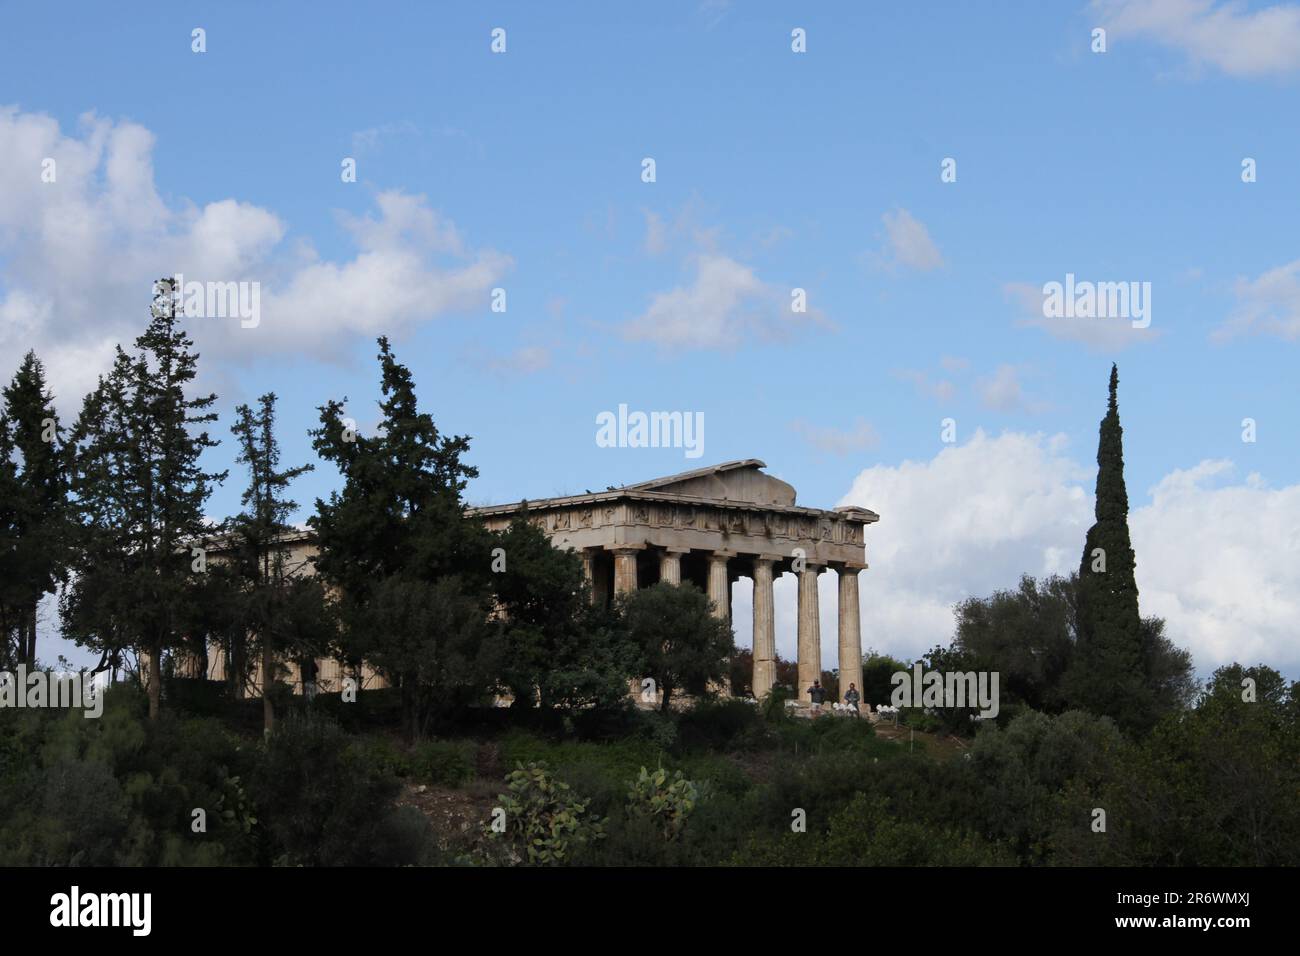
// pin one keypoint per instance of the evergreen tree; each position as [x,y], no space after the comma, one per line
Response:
[561,651]
[36,501]
[283,608]
[140,489]
[1109,673]
[391,540]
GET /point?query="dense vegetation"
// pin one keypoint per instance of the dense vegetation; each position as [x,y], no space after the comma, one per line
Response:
[1105,750]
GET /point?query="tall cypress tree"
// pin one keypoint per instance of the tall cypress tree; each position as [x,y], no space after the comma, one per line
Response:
[1109,673]
[141,490]
[39,503]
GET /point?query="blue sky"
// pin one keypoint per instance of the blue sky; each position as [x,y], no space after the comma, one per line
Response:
[774,170]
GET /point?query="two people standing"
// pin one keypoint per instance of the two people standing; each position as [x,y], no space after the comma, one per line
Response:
[817,695]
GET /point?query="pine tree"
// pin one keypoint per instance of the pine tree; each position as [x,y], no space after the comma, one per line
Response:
[397,545]
[38,502]
[141,490]
[1109,672]
[284,610]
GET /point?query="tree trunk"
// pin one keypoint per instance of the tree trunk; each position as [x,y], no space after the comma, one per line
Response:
[268,685]
[410,715]
[154,682]
[236,664]
[31,641]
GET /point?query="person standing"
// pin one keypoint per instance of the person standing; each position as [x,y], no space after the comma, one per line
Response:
[816,694]
[852,697]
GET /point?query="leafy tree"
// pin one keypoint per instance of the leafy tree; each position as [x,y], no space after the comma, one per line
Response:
[1108,676]
[682,645]
[560,650]
[34,517]
[437,639]
[1026,635]
[398,524]
[877,673]
[140,491]
[1030,637]
[740,672]
[1213,785]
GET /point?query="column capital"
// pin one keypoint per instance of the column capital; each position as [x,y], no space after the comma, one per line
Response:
[623,548]
[722,555]
[848,567]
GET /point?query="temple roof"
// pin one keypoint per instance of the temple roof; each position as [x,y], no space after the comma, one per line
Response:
[740,483]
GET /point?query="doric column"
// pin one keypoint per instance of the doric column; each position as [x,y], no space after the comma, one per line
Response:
[764,628]
[670,567]
[810,639]
[850,633]
[625,569]
[720,584]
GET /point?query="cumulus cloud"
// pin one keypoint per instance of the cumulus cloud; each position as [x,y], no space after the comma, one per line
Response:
[78,257]
[1268,304]
[1227,36]
[908,243]
[1218,559]
[726,305]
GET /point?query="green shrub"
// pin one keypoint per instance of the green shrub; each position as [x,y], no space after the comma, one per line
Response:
[323,801]
[720,725]
[544,820]
[669,801]
[384,753]
[773,705]
[446,762]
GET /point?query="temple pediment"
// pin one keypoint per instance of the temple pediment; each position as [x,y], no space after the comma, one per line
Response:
[738,481]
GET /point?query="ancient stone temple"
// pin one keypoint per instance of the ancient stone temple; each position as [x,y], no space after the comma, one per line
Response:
[712,526]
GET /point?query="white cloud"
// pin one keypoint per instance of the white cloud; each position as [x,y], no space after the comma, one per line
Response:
[909,243]
[1002,392]
[1269,304]
[1236,40]
[726,306]
[1219,561]
[78,257]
